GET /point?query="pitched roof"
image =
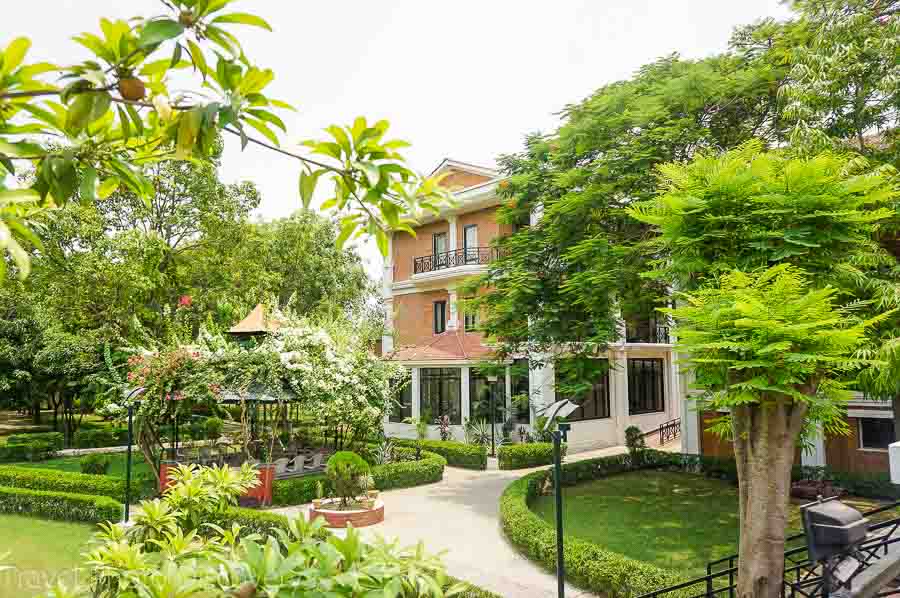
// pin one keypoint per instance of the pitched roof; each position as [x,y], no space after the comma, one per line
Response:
[453,344]
[256,322]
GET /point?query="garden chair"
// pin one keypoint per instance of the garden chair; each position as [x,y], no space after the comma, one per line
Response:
[204,458]
[316,462]
[296,464]
[281,469]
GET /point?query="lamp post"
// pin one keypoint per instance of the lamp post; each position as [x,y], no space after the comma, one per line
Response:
[492,380]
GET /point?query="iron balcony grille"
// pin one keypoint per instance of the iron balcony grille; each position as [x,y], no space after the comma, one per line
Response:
[470,256]
[647,334]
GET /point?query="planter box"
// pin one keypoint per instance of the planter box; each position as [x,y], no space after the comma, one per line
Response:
[358,518]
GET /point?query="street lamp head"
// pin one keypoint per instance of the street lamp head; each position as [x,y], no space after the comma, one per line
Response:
[491,378]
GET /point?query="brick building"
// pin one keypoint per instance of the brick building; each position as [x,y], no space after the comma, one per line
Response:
[428,332]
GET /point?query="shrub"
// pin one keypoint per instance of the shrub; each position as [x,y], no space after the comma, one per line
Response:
[457,454]
[214,427]
[97,438]
[869,485]
[520,456]
[55,439]
[587,564]
[398,474]
[63,481]
[94,464]
[27,451]
[65,506]
[634,439]
[344,470]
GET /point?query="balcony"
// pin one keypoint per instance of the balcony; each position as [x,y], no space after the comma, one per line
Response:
[470,256]
[647,333]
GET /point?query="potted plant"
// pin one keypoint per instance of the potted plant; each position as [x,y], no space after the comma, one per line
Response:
[320,495]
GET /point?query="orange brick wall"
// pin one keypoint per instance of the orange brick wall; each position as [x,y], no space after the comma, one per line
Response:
[413,315]
[406,247]
[488,228]
[458,179]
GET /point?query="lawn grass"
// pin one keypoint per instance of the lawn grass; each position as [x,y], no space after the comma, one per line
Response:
[139,467]
[41,552]
[671,519]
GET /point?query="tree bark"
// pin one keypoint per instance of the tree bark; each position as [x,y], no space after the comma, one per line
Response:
[765,439]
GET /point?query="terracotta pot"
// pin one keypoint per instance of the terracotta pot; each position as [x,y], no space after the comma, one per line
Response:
[368,503]
[317,503]
[373,494]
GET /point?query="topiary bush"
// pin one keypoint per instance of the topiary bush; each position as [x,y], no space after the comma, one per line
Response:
[457,454]
[100,437]
[64,481]
[344,470]
[214,427]
[65,506]
[94,464]
[521,456]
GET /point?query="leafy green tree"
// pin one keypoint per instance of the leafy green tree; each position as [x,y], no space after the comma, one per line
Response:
[20,334]
[114,114]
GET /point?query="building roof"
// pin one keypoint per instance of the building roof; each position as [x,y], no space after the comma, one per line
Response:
[256,322]
[450,164]
[450,345]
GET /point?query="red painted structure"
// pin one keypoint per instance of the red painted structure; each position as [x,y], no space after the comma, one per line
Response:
[261,494]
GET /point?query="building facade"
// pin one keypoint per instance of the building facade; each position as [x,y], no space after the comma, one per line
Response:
[427,331]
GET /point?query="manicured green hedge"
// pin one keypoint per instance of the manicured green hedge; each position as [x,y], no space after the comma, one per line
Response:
[64,481]
[587,564]
[55,439]
[101,437]
[521,456]
[457,454]
[35,450]
[65,506]
[399,474]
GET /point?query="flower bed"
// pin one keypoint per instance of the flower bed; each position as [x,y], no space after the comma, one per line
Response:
[457,454]
[587,564]
[65,506]
[342,518]
[399,474]
[522,456]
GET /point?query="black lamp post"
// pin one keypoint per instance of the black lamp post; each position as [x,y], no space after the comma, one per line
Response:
[492,380]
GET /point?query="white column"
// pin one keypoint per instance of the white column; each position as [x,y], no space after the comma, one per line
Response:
[453,316]
[508,393]
[416,391]
[387,292]
[452,233]
[690,421]
[618,382]
[816,458]
[464,393]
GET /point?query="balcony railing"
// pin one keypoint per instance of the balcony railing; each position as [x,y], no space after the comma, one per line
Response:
[470,256]
[647,333]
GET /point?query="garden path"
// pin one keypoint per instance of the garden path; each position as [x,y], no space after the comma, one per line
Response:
[460,515]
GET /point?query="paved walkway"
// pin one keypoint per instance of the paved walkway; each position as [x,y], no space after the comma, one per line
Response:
[460,514]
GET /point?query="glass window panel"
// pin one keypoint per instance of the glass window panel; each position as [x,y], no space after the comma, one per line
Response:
[440,393]
[646,385]
[480,392]
[594,403]
[876,433]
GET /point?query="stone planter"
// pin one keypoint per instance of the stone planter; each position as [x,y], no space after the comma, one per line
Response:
[356,517]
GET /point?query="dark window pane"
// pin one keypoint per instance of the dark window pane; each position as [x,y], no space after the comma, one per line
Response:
[876,433]
[594,401]
[480,393]
[440,393]
[646,386]
[403,408]
[440,316]
[521,412]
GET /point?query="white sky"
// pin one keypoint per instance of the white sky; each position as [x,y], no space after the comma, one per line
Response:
[460,79]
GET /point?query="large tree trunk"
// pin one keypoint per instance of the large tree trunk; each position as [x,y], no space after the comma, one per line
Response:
[765,440]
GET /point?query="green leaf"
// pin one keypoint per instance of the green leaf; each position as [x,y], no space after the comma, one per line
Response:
[88,188]
[136,119]
[268,117]
[373,175]
[188,128]
[308,185]
[158,31]
[176,56]
[198,59]
[8,164]
[244,19]
[15,53]
[341,137]
[348,225]
[79,113]
[21,149]
[262,128]
[19,196]
[108,187]
[124,122]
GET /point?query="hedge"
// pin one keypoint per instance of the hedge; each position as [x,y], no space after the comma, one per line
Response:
[65,506]
[587,564]
[521,456]
[457,454]
[55,439]
[101,437]
[65,481]
[399,474]
[27,451]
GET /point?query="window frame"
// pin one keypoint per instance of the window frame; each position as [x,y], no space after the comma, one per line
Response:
[861,437]
[648,403]
[521,384]
[434,316]
[434,242]
[470,321]
[426,377]
[398,411]
[600,395]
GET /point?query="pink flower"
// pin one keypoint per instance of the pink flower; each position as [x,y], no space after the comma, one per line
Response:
[185,301]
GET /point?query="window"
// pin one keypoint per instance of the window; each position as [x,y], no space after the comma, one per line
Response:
[480,392]
[646,389]
[440,393]
[471,321]
[402,407]
[470,243]
[594,402]
[440,316]
[439,249]
[521,411]
[875,432]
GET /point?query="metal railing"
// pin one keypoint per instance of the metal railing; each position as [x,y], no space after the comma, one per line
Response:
[669,431]
[647,333]
[469,256]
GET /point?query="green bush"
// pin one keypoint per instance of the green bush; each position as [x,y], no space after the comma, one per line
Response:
[99,437]
[64,481]
[27,451]
[214,427]
[587,564]
[344,470]
[94,464]
[55,439]
[65,506]
[532,454]
[399,474]
[869,485]
[457,454]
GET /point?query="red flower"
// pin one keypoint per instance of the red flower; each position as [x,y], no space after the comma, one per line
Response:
[185,301]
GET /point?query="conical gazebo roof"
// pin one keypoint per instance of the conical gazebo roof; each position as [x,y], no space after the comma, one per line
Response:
[256,322]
